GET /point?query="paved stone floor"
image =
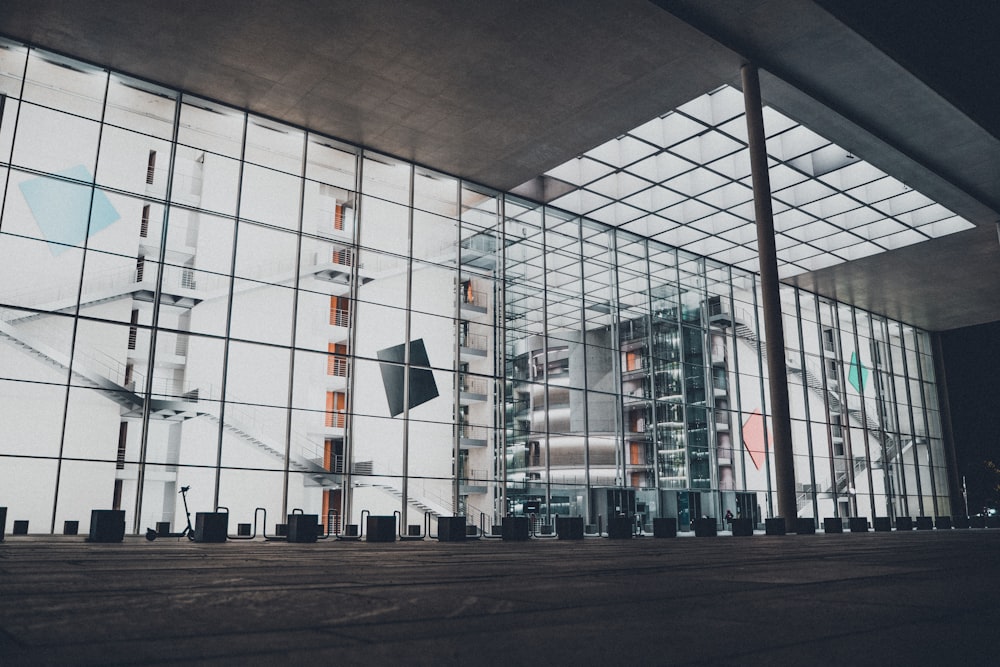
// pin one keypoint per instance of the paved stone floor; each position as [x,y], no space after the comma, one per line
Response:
[918,598]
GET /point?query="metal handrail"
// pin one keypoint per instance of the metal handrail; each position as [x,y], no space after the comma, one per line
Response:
[338,366]
[473,385]
[340,317]
[473,431]
[473,341]
[473,297]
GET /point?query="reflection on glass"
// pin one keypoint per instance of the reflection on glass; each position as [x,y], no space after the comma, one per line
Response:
[371,335]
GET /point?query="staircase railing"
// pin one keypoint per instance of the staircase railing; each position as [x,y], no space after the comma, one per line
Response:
[832,400]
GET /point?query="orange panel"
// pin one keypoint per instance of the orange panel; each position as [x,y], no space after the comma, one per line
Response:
[631,361]
[335,416]
[336,360]
[753,438]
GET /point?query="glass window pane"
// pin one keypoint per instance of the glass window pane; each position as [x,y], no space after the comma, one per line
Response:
[210,126]
[140,107]
[274,145]
[56,143]
[63,83]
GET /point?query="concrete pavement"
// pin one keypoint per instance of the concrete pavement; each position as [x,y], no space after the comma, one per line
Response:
[921,597]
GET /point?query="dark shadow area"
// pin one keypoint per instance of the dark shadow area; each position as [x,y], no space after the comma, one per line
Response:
[972,360]
[950,46]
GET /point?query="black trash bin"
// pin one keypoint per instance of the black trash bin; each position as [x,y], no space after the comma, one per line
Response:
[742,527]
[380,528]
[705,527]
[620,527]
[107,526]
[858,524]
[303,528]
[805,525]
[451,529]
[665,527]
[516,528]
[569,527]
[833,524]
[212,526]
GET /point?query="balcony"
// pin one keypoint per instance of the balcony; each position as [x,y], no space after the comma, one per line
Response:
[340,323]
[472,390]
[719,354]
[635,396]
[474,481]
[721,421]
[474,303]
[472,346]
[480,251]
[332,223]
[337,373]
[335,422]
[472,436]
[718,312]
[338,366]
[637,370]
[338,269]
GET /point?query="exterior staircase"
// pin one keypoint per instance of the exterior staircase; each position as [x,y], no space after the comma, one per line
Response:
[55,359]
[316,473]
[132,404]
[423,504]
[830,398]
[186,407]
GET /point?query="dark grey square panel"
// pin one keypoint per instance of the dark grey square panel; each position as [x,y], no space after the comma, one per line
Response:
[422,385]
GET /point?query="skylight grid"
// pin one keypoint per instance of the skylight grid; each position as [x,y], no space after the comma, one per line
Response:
[683,178]
[617,214]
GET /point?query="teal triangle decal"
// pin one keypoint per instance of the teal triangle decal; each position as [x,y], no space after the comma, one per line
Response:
[858,374]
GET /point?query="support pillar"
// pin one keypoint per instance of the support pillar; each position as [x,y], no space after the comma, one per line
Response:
[955,486]
[781,423]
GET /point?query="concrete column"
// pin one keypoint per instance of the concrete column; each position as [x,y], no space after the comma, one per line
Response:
[781,423]
[955,496]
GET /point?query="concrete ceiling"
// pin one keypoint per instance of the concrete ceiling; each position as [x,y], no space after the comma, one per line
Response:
[500,92]
[825,75]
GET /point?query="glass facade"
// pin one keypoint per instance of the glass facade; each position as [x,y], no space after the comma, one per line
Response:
[191,295]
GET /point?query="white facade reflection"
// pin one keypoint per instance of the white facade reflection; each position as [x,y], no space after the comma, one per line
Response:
[194,296]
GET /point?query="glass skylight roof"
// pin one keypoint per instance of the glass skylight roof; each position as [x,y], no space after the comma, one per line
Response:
[684,179]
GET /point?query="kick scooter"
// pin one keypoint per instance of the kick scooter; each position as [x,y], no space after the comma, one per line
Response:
[187,532]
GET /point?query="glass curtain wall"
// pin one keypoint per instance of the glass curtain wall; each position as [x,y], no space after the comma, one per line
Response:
[191,295]
[672,420]
[197,296]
